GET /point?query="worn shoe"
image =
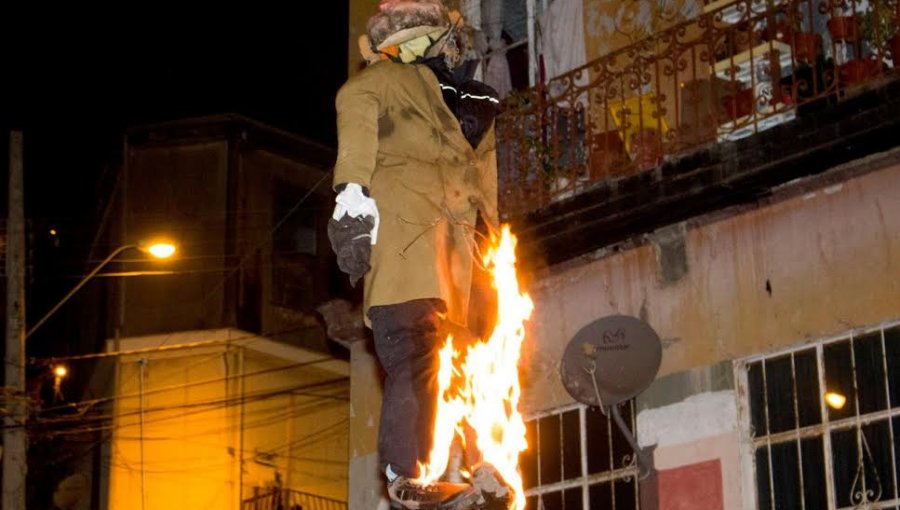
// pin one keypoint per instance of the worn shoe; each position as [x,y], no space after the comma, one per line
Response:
[407,493]
[493,491]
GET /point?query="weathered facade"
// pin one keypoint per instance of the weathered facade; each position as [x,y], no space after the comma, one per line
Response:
[247,206]
[228,192]
[765,257]
[223,417]
[818,262]
[218,385]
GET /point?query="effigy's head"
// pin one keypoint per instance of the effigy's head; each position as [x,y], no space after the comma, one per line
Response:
[410,29]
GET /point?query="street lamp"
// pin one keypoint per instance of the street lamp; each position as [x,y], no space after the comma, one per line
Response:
[157,249]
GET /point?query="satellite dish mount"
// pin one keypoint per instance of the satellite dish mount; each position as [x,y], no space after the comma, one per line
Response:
[609,362]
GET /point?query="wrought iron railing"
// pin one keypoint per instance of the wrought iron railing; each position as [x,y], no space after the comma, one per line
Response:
[286,499]
[736,69]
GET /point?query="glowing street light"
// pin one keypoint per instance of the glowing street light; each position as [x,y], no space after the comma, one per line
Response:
[161,250]
[835,400]
[59,372]
[158,249]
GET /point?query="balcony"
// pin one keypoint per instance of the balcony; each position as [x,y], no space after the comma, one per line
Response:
[710,112]
[286,499]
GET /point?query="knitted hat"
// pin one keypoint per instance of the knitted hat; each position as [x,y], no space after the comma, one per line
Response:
[403,20]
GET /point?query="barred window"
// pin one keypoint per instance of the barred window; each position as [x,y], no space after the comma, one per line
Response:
[824,423]
[579,460]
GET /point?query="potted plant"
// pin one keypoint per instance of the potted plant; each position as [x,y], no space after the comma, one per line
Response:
[787,27]
[858,70]
[739,103]
[880,28]
[844,23]
[806,45]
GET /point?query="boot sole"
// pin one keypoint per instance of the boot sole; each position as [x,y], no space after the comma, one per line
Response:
[459,502]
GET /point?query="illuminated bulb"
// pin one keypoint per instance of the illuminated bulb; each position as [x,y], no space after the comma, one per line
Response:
[53,232]
[161,250]
[60,371]
[835,400]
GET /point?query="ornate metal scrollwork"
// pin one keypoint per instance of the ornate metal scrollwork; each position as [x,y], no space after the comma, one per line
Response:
[864,493]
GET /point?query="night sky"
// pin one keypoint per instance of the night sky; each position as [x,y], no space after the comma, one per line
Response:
[72,82]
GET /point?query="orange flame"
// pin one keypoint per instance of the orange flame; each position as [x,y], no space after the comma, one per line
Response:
[484,391]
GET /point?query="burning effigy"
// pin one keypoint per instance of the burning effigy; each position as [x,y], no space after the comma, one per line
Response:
[479,384]
[416,170]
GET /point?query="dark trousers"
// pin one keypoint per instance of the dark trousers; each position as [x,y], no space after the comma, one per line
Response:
[408,337]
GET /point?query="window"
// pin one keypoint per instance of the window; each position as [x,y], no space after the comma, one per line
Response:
[294,247]
[809,454]
[507,64]
[296,232]
[579,460]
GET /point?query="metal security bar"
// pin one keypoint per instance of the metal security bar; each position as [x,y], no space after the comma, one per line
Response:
[578,460]
[809,454]
[285,499]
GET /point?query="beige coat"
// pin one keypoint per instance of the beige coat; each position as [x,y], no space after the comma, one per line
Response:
[397,136]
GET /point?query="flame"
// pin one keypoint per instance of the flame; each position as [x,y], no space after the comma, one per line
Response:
[480,386]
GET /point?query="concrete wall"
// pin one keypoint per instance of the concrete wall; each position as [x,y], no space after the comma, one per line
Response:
[796,271]
[800,269]
[366,477]
[698,466]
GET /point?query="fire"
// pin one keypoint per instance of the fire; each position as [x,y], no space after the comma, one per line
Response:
[480,386]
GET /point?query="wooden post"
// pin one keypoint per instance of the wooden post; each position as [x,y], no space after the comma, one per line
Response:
[15,463]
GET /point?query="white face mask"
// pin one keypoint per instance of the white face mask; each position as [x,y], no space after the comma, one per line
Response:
[415,48]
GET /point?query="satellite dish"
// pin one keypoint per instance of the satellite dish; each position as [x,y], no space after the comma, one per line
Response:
[615,358]
[610,361]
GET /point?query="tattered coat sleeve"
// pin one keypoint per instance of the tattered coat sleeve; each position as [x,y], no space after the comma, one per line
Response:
[358,105]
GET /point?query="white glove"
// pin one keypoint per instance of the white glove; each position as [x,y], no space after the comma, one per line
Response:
[352,201]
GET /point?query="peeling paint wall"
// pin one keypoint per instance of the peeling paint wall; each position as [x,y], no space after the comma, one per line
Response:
[795,270]
[664,426]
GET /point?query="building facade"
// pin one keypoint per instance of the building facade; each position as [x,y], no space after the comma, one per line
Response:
[210,379]
[759,240]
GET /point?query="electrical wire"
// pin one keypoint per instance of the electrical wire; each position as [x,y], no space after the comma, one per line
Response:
[94,402]
[222,402]
[116,422]
[244,339]
[268,238]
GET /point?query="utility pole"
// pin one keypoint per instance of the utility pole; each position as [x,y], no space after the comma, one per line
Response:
[14,439]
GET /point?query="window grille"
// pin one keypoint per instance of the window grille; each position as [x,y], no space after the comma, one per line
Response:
[810,455]
[579,460]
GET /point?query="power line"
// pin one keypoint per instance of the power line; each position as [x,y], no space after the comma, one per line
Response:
[245,339]
[94,402]
[110,421]
[267,239]
[113,422]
